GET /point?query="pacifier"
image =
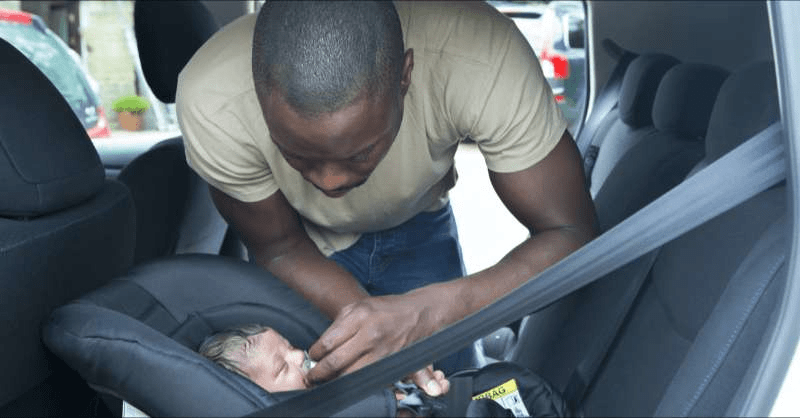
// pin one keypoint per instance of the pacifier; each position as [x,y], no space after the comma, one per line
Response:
[307,362]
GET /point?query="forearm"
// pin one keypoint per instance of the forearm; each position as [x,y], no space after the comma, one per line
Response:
[551,200]
[276,240]
[459,298]
[300,265]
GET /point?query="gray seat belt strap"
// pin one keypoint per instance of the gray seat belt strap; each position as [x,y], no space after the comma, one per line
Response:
[739,175]
[605,102]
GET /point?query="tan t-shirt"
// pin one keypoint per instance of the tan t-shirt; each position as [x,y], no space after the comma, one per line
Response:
[474,76]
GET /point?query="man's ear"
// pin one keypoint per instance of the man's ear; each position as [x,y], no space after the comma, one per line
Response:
[408,66]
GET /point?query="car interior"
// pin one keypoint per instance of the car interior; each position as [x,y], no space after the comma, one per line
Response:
[110,281]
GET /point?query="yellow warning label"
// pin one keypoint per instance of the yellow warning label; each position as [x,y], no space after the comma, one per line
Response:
[507,396]
[498,391]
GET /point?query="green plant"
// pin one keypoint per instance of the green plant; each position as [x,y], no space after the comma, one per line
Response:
[133,104]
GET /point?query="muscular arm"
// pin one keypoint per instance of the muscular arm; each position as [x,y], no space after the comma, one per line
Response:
[277,241]
[549,198]
[551,201]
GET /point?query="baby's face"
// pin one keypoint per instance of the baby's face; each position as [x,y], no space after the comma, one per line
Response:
[272,363]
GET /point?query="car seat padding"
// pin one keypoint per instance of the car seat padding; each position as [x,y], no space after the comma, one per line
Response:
[136,338]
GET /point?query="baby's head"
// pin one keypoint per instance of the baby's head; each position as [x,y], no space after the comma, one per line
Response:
[260,354]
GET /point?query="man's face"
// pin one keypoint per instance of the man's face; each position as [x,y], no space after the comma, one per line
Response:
[270,361]
[336,152]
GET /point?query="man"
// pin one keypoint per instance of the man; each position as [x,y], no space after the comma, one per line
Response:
[327,133]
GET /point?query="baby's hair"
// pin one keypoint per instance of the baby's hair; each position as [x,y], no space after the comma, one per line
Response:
[220,347]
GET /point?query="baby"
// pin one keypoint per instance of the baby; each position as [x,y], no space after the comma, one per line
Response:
[262,355]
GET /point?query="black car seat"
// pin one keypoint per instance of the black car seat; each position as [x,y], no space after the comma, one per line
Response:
[632,119]
[687,341]
[64,230]
[137,337]
[174,208]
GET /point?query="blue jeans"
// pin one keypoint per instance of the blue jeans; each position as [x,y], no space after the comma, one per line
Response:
[421,251]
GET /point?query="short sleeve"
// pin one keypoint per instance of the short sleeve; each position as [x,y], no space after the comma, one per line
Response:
[514,118]
[221,149]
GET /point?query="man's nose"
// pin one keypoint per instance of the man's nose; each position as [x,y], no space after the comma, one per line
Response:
[330,178]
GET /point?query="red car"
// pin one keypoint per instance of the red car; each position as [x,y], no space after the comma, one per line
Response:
[30,35]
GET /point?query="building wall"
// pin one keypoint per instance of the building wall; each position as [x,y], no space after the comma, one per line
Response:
[10,4]
[105,52]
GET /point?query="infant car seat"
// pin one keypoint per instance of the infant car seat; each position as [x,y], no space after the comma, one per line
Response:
[136,338]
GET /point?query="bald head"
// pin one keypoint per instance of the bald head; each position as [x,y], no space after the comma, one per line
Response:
[321,56]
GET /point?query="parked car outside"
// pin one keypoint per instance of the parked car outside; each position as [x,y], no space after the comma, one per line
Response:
[555,31]
[29,34]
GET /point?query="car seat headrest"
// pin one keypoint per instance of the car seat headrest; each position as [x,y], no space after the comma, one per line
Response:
[168,34]
[639,87]
[685,98]
[47,161]
[136,338]
[747,103]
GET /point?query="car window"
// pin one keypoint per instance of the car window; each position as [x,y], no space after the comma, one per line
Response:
[555,31]
[53,60]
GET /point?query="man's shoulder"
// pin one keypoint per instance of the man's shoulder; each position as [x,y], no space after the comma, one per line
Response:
[468,29]
[220,70]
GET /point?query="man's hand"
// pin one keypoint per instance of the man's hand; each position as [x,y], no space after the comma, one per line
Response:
[375,327]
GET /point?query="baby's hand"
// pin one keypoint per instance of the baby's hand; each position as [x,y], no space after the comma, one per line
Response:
[432,382]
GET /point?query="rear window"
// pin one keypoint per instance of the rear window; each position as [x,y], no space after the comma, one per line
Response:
[54,61]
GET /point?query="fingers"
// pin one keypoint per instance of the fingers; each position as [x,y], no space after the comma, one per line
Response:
[443,382]
[344,357]
[337,334]
[430,382]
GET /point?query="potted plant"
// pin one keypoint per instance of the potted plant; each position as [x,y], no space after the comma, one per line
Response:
[129,111]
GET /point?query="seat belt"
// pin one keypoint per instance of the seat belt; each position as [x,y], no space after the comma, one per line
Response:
[749,169]
[606,101]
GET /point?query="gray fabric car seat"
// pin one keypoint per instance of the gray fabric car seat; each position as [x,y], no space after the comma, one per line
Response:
[701,314]
[64,230]
[632,119]
[623,126]
[660,159]
[173,205]
[698,321]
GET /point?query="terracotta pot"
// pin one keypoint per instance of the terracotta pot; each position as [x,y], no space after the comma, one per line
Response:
[130,121]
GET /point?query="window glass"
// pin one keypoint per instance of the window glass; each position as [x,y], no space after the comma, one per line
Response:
[88,51]
[555,31]
[52,57]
